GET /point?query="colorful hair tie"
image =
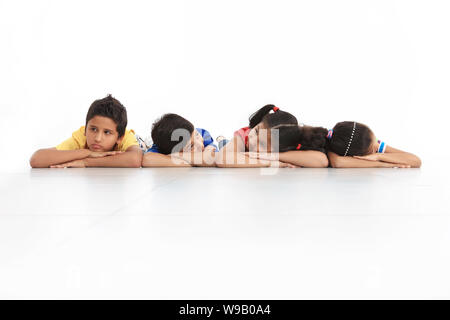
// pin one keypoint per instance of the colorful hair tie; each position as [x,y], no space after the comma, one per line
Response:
[351,138]
[299,146]
[330,134]
[275,109]
[381,147]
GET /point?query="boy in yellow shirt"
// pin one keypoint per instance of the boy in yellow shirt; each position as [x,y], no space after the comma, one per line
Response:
[103,142]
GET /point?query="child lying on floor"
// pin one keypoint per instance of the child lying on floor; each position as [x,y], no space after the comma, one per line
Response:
[176,143]
[103,142]
[271,140]
[354,145]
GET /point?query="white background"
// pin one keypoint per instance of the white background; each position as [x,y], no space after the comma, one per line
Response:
[216,233]
[384,63]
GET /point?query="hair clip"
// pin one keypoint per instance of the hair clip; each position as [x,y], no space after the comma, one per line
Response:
[330,134]
[299,146]
[351,138]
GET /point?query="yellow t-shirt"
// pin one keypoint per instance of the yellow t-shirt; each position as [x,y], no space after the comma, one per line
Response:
[78,141]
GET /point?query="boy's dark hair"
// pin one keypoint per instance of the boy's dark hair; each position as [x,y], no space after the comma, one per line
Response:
[294,137]
[163,129]
[271,120]
[109,107]
[361,140]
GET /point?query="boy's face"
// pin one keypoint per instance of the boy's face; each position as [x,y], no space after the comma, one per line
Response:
[195,144]
[101,134]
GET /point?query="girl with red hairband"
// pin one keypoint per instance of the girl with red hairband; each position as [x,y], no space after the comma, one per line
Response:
[255,142]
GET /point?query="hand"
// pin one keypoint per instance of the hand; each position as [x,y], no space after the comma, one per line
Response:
[394,165]
[279,164]
[185,157]
[379,157]
[209,148]
[263,156]
[95,154]
[180,158]
[209,155]
[272,157]
[210,151]
[71,164]
[369,157]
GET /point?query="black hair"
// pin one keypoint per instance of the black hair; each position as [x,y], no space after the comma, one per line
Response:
[163,129]
[361,139]
[109,107]
[294,137]
[271,120]
[315,138]
[291,135]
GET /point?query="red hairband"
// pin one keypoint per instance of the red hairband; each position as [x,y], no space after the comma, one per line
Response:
[299,146]
[275,109]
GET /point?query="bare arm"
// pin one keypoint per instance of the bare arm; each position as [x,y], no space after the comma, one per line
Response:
[132,158]
[308,158]
[182,159]
[45,158]
[207,158]
[337,161]
[157,160]
[393,155]
[232,156]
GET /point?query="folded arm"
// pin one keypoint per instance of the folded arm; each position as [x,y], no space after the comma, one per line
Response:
[393,155]
[337,161]
[45,158]
[308,158]
[207,158]
[131,158]
[157,160]
[232,155]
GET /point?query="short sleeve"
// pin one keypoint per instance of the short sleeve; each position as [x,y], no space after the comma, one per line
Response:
[207,138]
[77,141]
[128,140]
[153,148]
[243,134]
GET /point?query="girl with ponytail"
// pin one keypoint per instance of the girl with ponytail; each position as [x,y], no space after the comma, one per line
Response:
[353,145]
[348,145]
[272,138]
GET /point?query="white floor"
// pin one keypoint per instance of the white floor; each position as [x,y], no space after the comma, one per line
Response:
[202,233]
